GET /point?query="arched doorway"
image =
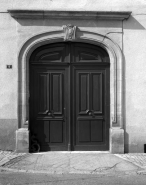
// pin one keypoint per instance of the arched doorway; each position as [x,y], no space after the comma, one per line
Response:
[70,97]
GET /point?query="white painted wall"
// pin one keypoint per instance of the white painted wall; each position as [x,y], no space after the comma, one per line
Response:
[8,77]
[137,6]
[135,81]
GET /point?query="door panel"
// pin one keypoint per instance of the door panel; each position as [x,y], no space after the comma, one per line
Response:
[83,93]
[87,53]
[90,131]
[56,131]
[48,99]
[89,118]
[97,130]
[43,80]
[55,53]
[96,92]
[56,93]
[84,134]
[43,131]
[49,91]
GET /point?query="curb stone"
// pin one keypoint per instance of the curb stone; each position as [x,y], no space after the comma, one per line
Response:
[54,172]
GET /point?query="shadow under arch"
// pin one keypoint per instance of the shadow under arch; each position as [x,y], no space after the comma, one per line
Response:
[116,71]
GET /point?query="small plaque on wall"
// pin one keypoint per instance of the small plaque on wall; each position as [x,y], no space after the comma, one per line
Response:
[9,66]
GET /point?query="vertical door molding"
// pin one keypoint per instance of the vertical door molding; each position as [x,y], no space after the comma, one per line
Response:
[116,73]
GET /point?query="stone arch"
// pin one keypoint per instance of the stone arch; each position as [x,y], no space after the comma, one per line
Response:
[116,81]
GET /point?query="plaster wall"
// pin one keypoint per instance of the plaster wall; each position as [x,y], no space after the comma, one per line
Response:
[130,35]
[135,82]
[8,82]
[136,6]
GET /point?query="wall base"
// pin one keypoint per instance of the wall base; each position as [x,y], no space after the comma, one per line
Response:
[116,140]
[22,140]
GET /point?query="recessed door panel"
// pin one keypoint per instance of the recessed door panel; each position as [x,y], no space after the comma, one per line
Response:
[56,89]
[56,132]
[89,131]
[84,135]
[43,131]
[43,93]
[97,130]
[83,93]
[96,91]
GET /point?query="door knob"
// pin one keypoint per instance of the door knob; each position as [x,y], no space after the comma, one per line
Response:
[46,112]
[49,114]
[91,113]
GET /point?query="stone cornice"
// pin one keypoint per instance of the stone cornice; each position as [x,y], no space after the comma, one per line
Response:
[50,14]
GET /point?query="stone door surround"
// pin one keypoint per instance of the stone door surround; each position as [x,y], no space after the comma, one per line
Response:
[116,77]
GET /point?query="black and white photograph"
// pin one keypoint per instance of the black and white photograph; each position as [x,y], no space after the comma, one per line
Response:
[72,92]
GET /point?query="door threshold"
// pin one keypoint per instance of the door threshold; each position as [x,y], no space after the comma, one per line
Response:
[75,152]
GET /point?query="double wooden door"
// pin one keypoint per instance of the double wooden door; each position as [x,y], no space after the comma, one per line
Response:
[69,97]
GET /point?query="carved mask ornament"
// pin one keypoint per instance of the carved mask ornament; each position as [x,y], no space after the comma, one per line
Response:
[69,31]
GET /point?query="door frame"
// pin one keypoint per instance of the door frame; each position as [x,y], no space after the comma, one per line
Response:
[116,81]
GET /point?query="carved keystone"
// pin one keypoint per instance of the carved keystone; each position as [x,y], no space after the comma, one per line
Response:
[69,31]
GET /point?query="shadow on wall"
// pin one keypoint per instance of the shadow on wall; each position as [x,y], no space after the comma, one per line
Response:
[60,23]
[126,145]
[126,135]
[131,23]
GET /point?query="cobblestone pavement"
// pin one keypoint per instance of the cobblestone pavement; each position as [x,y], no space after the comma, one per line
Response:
[138,159]
[6,156]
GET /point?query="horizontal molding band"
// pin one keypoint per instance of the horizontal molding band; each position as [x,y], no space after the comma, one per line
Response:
[54,14]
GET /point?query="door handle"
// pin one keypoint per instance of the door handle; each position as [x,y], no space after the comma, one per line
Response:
[46,112]
[49,114]
[91,113]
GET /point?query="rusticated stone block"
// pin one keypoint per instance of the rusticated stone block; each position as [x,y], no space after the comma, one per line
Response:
[117,140]
[22,140]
